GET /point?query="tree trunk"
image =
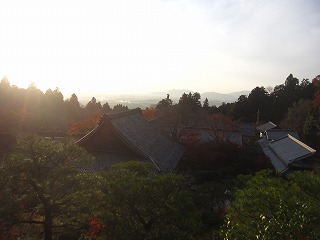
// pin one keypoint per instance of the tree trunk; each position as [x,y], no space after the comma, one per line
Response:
[48,220]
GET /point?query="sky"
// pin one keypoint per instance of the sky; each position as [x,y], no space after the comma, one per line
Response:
[141,46]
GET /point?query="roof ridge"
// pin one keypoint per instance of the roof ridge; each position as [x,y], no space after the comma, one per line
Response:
[120,114]
[133,146]
[278,139]
[89,134]
[281,129]
[280,156]
[301,143]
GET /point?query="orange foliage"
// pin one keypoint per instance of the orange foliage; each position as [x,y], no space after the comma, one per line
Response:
[221,127]
[190,136]
[95,227]
[84,126]
[149,113]
[316,82]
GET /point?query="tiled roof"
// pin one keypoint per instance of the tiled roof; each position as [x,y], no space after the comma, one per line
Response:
[266,126]
[263,143]
[274,134]
[143,139]
[286,151]
[290,149]
[247,129]
[275,161]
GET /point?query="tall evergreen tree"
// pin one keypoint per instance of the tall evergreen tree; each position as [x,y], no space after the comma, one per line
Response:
[206,104]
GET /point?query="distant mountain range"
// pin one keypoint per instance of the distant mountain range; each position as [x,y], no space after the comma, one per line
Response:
[151,99]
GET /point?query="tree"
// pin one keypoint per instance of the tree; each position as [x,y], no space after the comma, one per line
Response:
[213,162]
[286,94]
[269,89]
[316,83]
[47,178]
[106,108]
[74,101]
[206,104]
[149,113]
[269,207]
[164,103]
[189,102]
[175,119]
[5,83]
[211,197]
[307,89]
[33,100]
[139,203]
[120,108]
[172,122]
[83,126]
[291,90]
[310,128]
[226,109]
[258,100]
[241,109]
[291,82]
[296,115]
[10,207]
[316,101]
[7,102]
[52,113]
[221,128]
[94,106]
[73,108]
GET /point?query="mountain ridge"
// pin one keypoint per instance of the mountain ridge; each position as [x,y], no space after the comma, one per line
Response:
[151,99]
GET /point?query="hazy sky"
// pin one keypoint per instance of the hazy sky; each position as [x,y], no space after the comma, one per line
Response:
[139,46]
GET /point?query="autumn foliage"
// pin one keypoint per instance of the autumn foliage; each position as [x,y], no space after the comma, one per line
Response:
[95,227]
[316,82]
[150,113]
[83,126]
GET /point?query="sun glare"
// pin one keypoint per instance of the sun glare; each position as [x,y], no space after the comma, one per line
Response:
[151,45]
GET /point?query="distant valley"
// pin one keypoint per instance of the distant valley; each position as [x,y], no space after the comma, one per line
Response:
[146,100]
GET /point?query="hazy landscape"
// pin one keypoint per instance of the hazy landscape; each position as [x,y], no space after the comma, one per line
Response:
[159,120]
[150,100]
[179,168]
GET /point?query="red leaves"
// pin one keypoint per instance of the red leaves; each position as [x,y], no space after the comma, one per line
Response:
[149,113]
[95,226]
[316,82]
[84,126]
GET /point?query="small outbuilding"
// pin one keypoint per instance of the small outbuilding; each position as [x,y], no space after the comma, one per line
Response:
[288,153]
[265,127]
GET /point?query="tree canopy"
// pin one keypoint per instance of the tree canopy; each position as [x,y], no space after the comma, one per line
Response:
[268,207]
[46,178]
[140,203]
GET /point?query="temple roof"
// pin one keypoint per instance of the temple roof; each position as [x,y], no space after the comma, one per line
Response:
[131,130]
[273,134]
[286,151]
[264,127]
